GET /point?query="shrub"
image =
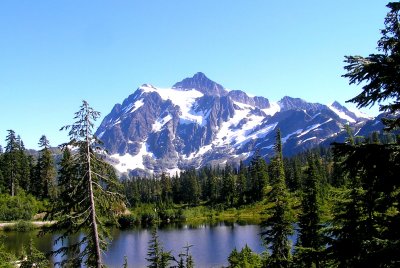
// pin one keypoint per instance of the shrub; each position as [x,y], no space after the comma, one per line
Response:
[126,221]
[19,207]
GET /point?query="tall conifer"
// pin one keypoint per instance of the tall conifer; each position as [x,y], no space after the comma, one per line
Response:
[278,227]
[309,242]
[92,199]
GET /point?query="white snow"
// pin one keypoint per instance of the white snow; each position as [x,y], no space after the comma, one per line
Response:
[312,138]
[130,162]
[200,152]
[291,134]
[117,122]
[133,106]
[173,171]
[230,133]
[183,99]
[360,114]
[273,109]
[101,134]
[342,114]
[157,126]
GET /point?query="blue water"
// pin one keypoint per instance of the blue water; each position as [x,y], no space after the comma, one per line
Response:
[212,243]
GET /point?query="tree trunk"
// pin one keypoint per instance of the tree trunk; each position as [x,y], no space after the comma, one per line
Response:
[92,203]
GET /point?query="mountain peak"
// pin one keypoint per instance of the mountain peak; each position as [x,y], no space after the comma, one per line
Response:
[202,83]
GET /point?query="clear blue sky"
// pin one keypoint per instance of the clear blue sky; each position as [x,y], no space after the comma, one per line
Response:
[54,54]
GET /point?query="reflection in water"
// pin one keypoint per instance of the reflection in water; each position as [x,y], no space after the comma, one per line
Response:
[212,243]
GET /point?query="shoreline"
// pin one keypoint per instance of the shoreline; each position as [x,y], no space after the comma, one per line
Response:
[36,224]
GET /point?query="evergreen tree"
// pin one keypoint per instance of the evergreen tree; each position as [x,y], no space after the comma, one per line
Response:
[45,171]
[259,176]
[242,184]
[379,72]
[34,258]
[66,177]
[11,161]
[246,258]
[3,182]
[228,190]
[156,256]
[166,189]
[364,232]
[364,222]
[310,243]
[93,197]
[278,227]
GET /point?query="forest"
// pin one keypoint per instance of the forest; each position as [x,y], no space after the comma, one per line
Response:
[343,201]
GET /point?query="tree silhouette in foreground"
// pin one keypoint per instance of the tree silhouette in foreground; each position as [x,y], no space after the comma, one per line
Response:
[88,195]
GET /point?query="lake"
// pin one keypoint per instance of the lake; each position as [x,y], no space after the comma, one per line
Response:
[212,243]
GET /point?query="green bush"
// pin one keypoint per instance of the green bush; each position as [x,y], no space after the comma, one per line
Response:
[19,207]
[126,221]
[24,226]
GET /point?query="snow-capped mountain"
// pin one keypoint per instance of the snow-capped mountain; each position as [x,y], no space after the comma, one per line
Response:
[198,122]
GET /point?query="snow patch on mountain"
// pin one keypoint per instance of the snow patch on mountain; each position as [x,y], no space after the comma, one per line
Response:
[157,126]
[184,99]
[342,114]
[235,130]
[360,114]
[313,127]
[131,162]
[273,109]
[134,106]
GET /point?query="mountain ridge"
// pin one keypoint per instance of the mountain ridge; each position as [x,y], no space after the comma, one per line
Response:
[198,122]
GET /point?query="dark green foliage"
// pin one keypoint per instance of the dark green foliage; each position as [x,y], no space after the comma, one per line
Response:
[380,72]
[310,242]
[258,177]
[246,258]
[15,164]
[6,259]
[228,189]
[45,172]
[89,193]
[19,207]
[366,215]
[156,256]
[278,227]
[126,221]
[185,259]
[34,258]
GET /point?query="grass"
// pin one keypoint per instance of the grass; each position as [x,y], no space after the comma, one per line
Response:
[200,214]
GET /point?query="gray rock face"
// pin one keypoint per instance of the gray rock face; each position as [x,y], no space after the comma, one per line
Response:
[197,122]
[201,83]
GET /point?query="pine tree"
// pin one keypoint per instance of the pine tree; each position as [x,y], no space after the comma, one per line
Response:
[166,189]
[364,220]
[34,258]
[246,258]
[11,161]
[228,190]
[310,242]
[379,72]
[156,256]
[93,196]
[259,176]
[45,171]
[242,184]
[278,227]
[365,232]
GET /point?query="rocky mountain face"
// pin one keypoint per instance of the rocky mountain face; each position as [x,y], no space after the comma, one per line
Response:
[198,122]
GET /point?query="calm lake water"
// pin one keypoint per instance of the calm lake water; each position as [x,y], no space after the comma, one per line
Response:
[212,243]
